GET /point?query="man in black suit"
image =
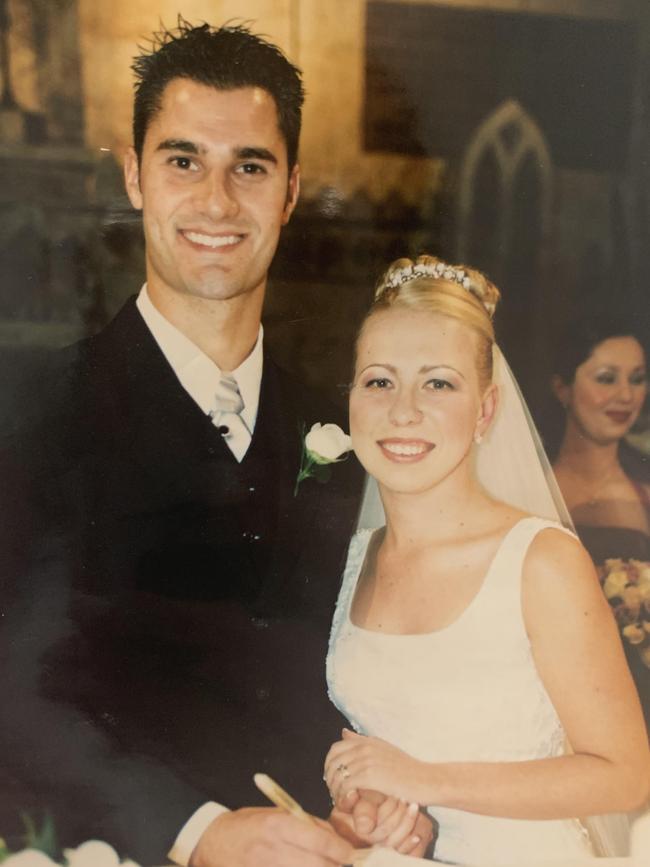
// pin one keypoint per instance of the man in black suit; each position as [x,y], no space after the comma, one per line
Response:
[167,592]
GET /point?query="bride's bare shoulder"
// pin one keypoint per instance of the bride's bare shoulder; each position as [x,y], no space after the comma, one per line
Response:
[557,565]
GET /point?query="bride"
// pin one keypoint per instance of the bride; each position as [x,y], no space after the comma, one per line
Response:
[471,643]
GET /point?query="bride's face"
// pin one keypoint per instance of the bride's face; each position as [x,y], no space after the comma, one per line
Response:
[416,401]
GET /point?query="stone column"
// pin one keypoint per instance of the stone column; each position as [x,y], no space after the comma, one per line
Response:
[56,41]
[12,119]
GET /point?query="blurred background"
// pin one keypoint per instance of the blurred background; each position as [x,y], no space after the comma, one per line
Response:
[512,135]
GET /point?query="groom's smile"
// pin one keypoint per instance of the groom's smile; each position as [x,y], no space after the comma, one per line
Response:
[202,240]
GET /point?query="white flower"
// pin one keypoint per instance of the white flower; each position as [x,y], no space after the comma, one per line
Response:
[28,858]
[634,633]
[94,853]
[324,444]
[327,443]
[615,583]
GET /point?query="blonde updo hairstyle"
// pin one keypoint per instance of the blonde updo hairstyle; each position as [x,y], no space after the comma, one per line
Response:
[429,285]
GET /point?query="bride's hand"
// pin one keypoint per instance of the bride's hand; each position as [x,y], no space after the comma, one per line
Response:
[373,819]
[360,762]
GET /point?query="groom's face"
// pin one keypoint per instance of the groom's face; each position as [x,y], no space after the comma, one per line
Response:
[214,188]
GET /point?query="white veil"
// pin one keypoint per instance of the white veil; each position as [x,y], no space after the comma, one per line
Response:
[512,466]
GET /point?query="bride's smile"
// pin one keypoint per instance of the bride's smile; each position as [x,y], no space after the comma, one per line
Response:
[405,450]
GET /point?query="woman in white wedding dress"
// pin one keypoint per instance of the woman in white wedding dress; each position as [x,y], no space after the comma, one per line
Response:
[471,642]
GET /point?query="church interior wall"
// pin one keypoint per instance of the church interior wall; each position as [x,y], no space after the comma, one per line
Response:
[359,208]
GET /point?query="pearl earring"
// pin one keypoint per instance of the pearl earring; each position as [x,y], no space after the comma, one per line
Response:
[478,438]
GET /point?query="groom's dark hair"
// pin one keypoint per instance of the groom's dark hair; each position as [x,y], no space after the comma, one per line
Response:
[225,58]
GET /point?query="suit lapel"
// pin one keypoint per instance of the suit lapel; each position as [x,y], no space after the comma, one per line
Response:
[284,415]
[149,406]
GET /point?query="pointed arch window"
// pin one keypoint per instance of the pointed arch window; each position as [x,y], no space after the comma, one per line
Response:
[504,197]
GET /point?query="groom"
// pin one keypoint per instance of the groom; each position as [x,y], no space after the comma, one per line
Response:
[167,594]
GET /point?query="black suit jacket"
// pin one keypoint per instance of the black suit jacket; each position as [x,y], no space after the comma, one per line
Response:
[166,609]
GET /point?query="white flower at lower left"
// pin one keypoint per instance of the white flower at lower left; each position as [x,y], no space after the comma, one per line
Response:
[93,853]
[28,858]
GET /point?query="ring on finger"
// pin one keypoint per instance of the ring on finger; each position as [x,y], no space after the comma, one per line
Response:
[343,771]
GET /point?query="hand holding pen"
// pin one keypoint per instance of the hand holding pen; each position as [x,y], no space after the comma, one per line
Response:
[282,799]
[266,837]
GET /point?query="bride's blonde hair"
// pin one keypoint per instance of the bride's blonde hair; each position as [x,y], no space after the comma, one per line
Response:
[430,285]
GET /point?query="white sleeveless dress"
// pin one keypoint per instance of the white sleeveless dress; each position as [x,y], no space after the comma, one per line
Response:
[469,692]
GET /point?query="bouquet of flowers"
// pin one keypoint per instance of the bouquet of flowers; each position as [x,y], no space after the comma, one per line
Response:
[626,584]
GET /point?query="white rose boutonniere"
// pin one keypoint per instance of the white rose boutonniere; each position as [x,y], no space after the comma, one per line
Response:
[323,445]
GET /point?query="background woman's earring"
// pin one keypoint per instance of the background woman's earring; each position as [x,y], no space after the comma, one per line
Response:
[478,438]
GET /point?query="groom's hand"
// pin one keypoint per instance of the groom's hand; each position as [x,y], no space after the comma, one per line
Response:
[266,837]
[370,818]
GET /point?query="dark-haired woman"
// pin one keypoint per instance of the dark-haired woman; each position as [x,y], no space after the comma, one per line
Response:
[600,381]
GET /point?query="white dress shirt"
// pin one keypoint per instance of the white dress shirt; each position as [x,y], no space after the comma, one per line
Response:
[192,831]
[199,375]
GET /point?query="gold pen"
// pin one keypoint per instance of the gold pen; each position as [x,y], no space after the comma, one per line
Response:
[277,795]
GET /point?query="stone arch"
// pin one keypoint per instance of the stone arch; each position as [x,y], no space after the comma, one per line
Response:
[509,155]
[503,227]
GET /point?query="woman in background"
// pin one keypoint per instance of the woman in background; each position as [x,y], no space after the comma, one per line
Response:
[600,381]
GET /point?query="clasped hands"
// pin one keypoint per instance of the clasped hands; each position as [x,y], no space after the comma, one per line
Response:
[361,762]
[372,784]
[362,816]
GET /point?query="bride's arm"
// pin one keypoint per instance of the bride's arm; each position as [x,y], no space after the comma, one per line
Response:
[581,662]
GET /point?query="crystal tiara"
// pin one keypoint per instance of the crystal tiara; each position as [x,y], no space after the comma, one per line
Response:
[439,271]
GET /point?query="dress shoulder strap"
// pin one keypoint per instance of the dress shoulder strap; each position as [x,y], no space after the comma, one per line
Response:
[355,560]
[521,535]
[503,582]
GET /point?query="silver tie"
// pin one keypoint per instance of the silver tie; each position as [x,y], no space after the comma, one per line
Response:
[226,416]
